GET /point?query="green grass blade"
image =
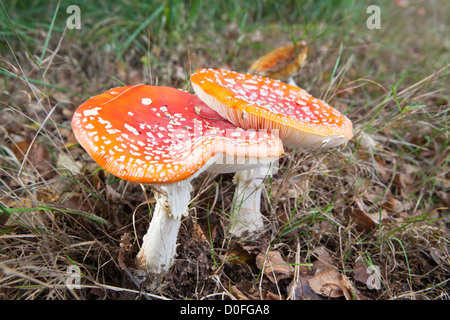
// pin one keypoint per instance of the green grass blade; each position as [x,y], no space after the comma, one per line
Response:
[49,34]
[131,38]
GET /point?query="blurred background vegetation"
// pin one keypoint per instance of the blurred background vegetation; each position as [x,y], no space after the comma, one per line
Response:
[198,33]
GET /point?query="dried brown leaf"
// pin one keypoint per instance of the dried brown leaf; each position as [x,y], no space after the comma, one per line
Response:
[324,259]
[112,194]
[238,294]
[244,290]
[34,219]
[332,284]
[76,201]
[361,273]
[272,296]
[20,149]
[363,222]
[301,290]
[198,233]
[275,268]
[392,204]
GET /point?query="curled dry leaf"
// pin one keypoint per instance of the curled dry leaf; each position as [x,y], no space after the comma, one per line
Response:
[275,268]
[392,204]
[332,284]
[363,220]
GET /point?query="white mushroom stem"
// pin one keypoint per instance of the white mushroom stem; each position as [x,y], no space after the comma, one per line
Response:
[157,253]
[246,217]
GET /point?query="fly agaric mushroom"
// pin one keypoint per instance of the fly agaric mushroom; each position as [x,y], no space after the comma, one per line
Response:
[164,137]
[281,63]
[254,102]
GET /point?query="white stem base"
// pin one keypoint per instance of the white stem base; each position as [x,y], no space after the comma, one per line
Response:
[157,253]
[247,220]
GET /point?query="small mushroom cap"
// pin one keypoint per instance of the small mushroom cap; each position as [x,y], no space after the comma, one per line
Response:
[250,101]
[161,135]
[281,63]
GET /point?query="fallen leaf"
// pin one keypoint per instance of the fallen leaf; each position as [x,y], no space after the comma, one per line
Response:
[363,222]
[367,142]
[361,273]
[66,162]
[332,284]
[244,290]
[37,155]
[238,294]
[198,233]
[20,149]
[239,254]
[272,296]
[301,290]
[324,259]
[439,256]
[382,169]
[405,180]
[392,204]
[35,219]
[275,268]
[76,201]
[112,194]
[47,195]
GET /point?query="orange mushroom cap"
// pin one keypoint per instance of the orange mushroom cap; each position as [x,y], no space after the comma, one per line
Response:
[282,62]
[250,101]
[154,134]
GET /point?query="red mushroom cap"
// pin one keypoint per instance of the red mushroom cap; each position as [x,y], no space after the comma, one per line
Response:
[151,134]
[250,101]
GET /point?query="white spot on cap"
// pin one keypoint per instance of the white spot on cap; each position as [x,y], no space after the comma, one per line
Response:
[146,101]
[249,87]
[91,112]
[132,129]
[230,81]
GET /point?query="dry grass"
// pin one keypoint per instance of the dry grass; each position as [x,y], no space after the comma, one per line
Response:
[380,202]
